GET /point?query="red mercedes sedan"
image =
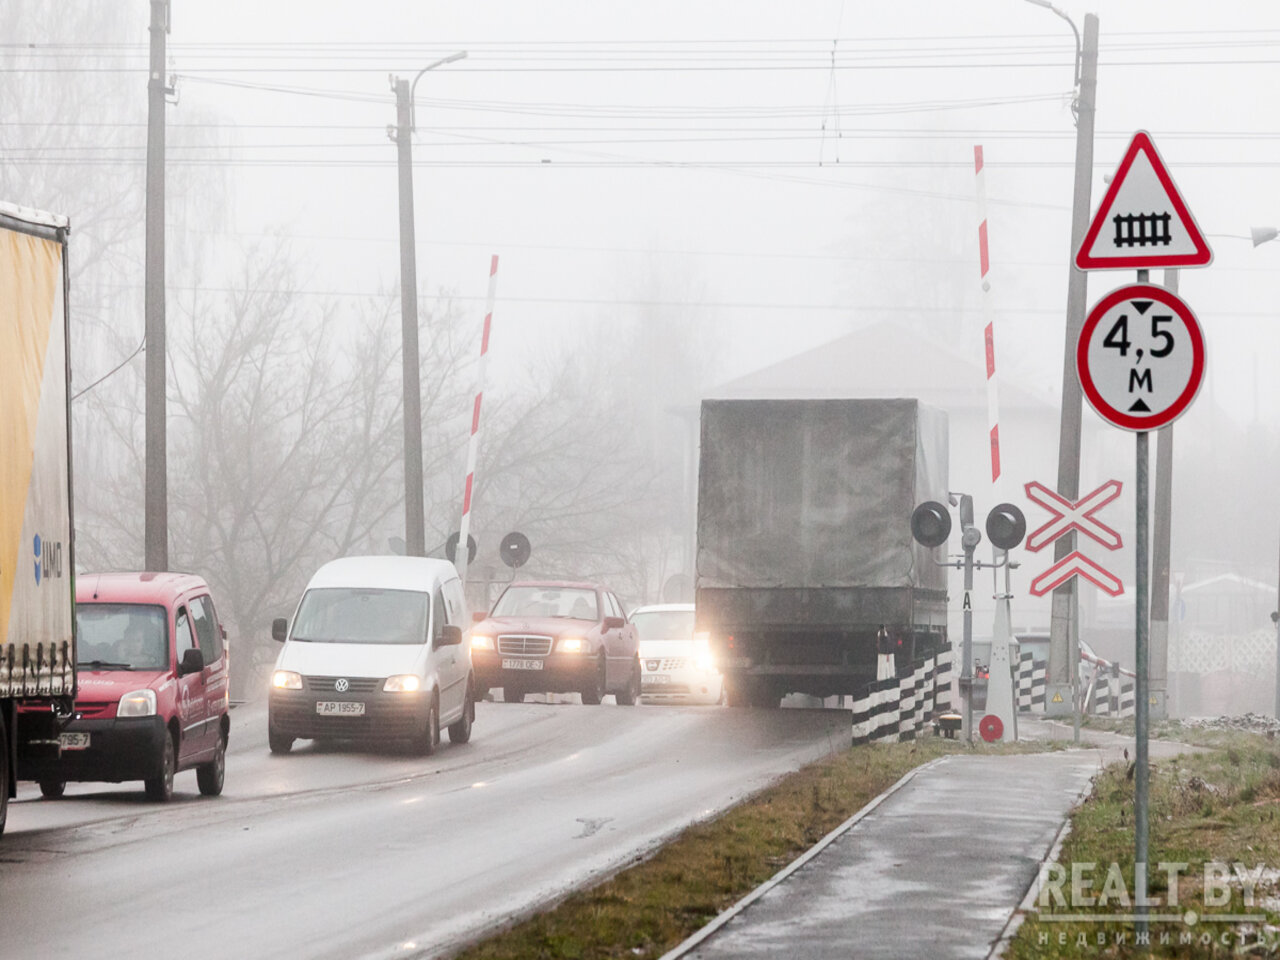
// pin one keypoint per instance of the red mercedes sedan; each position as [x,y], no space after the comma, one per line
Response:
[557,637]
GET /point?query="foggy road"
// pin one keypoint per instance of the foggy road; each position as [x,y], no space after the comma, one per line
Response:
[362,853]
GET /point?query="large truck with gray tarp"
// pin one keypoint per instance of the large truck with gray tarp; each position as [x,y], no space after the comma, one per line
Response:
[806,567]
[37,593]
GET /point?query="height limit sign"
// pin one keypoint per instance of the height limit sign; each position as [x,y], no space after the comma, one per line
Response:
[1140,357]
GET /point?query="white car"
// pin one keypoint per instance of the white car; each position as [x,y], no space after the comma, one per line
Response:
[375,652]
[675,665]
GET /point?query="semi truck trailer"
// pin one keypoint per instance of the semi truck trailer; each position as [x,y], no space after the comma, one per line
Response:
[806,568]
[37,560]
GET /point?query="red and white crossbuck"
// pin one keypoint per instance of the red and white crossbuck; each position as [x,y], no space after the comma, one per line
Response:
[1068,515]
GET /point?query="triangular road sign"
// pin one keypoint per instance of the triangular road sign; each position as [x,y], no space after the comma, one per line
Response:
[1143,222]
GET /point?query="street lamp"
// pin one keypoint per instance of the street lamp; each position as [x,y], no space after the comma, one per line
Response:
[413,116]
[402,135]
[1071,23]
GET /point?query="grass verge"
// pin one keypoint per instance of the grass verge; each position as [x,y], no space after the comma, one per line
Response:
[1220,806]
[645,910]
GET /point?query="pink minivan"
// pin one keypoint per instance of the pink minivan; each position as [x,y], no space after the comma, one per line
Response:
[152,694]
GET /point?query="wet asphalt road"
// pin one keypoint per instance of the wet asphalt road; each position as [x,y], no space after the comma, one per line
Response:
[344,852]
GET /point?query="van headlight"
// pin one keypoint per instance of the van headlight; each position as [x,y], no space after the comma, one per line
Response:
[571,645]
[137,703]
[403,683]
[481,641]
[704,661]
[286,680]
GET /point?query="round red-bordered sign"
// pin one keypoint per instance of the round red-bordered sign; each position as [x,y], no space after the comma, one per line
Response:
[991,728]
[1140,357]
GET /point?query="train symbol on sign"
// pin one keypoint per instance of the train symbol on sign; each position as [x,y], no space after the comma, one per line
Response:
[1132,229]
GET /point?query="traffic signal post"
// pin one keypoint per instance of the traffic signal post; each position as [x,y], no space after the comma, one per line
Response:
[931,526]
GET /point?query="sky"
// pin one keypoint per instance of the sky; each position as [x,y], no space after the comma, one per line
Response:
[793,171]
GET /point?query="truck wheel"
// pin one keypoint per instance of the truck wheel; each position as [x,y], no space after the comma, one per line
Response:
[628,696]
[460,732]
[735,691]
[594,692]
[52,789]
[764,697]
[209,776]
[160,789]
[4,772]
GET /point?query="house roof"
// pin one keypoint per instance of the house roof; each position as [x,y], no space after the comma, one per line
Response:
[886,359]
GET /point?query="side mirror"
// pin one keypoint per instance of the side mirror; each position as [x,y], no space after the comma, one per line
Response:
[614,623]
[279,629]
[192,662]
[450,634]
[479,616]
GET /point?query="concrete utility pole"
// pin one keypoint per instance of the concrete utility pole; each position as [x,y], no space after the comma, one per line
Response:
[415,535]
[156,510]
[1062,658]
[1160,546]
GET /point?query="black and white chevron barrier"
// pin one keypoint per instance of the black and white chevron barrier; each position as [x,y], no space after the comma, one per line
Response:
[897,708]
[1111,696]
[1033,681]
[1109,689]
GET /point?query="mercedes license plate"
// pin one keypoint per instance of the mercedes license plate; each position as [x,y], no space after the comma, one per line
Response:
[73,741]
[521,664]
[340,708]
[658,678]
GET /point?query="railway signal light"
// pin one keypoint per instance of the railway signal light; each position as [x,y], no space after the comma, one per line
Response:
[931,524]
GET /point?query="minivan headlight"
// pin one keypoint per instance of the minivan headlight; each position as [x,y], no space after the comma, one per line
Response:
[137,703]
[572,645]
[403,683]
[481,641]
[286,680]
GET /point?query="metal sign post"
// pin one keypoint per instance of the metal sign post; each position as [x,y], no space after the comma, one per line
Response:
[1141,685]
[1141,360]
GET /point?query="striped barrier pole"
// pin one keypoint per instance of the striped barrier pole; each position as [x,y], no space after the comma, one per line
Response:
[989,328]
[464,530]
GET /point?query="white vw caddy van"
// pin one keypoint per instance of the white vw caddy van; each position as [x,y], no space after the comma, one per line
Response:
[375,651]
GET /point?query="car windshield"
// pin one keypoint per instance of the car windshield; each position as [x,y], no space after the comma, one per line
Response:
[361,615]
[570,603]
[122,636]
[663,624]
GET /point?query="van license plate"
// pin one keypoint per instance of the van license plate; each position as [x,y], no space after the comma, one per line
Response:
[73,741]
[521,664]
[339,708]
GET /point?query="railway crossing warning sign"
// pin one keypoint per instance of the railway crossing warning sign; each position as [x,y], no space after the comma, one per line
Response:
[1068,515]
[1140,357]
[1143,222]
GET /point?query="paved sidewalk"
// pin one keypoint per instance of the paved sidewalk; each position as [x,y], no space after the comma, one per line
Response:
[934,871]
